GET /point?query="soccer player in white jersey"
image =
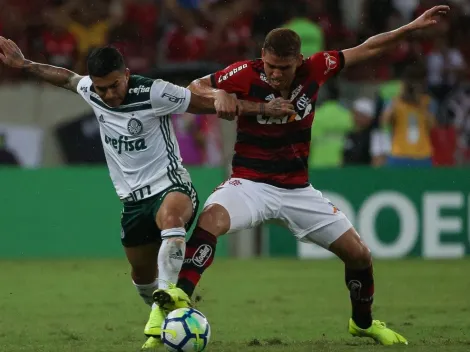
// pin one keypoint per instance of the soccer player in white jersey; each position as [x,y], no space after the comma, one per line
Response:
[143,157]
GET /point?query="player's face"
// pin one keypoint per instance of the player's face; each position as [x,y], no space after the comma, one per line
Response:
[112,88]
[280,71]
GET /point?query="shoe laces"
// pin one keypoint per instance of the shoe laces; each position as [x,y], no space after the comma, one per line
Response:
[380,324]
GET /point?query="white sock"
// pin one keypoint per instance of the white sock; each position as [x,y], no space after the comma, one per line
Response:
[146,291]
[171,256]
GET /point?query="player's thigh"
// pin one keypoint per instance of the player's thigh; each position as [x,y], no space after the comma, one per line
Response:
[243,201]
[312,217]
[138,228]
[176,207]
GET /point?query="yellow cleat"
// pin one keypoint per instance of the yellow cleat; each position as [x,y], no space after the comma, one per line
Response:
[152,344]
[171,298]
[377,331]
[153,328]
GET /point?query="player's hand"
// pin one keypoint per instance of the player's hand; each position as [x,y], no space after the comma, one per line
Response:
[226,105]
[279,107]
[11,55]
[430,18]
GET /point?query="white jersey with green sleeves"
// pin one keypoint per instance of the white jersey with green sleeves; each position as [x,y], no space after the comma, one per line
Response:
[139,142]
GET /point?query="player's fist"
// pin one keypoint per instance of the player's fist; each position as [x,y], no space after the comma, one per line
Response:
[11,55]
[279,107]
[226,105]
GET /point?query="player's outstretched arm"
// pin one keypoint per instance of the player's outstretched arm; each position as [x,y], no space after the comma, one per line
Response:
[227,106]
[12,56]
[377,45]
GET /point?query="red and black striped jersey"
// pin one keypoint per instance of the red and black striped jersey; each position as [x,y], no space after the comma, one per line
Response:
[275,150]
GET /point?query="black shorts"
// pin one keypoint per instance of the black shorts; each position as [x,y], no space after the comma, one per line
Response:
[138,223]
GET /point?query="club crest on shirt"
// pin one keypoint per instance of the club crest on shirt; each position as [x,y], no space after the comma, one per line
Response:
[134,126]
[331,62]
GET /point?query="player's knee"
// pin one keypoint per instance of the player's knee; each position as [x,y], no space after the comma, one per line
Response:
[215,219]
[359,256]
[351,250]
[170,221]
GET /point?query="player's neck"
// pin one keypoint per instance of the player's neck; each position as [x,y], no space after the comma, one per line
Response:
[285,93]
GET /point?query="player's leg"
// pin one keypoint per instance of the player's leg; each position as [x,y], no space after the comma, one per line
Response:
[175,212]
[234,206]
[143,261]
[314,219]
[141,240]
[146,245]
[359,280]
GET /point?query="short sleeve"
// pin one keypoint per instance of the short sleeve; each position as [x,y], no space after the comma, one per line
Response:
[83,86]
[233,78]
[324,65]
[167,98]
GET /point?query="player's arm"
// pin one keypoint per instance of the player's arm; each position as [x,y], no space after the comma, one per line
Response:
[12,56]
[377,45]
[227,105]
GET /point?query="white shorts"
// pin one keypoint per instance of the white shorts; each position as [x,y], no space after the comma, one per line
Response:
[304,211]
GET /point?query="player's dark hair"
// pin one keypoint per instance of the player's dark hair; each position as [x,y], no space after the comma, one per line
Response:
[103,61]
[282,42]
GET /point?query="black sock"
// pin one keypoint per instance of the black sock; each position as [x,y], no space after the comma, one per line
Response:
[360,284]
[200,251]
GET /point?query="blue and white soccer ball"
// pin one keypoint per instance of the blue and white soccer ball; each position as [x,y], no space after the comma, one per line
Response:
[185,330]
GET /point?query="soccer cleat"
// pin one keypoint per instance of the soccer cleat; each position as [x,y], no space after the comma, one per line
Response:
[153,328]
[172,298]
[377,331]
[152,344]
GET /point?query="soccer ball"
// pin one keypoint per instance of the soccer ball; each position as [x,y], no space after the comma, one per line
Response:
[184,330]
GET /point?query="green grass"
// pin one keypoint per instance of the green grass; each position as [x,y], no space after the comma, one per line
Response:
[265,305]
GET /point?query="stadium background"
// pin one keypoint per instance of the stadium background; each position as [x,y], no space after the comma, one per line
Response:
[53,137]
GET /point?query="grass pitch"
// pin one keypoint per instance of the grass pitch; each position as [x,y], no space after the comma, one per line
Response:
[256,305]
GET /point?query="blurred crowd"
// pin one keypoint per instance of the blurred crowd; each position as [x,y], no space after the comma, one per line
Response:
[152,33]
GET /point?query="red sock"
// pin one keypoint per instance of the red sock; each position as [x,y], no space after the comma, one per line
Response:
[360,284]
[200,251]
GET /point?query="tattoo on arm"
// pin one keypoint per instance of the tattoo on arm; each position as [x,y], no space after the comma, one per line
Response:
[262,109]
[57,76]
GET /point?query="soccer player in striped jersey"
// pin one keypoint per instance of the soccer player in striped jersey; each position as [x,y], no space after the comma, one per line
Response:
[270,174]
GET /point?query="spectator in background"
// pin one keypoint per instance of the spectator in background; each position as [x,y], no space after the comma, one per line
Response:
[136,36]
[199,139]
[6,156]
[56,43]
[14,21]
[89,22]
[455,116]
[231,23]
[185,37]
[446,67]
[209,29]
[188,130]
[357,146]
[310,33]
[332,123]
[410,118]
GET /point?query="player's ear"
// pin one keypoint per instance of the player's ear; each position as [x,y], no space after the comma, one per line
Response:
[300,60]
[127,73]
[262,52]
